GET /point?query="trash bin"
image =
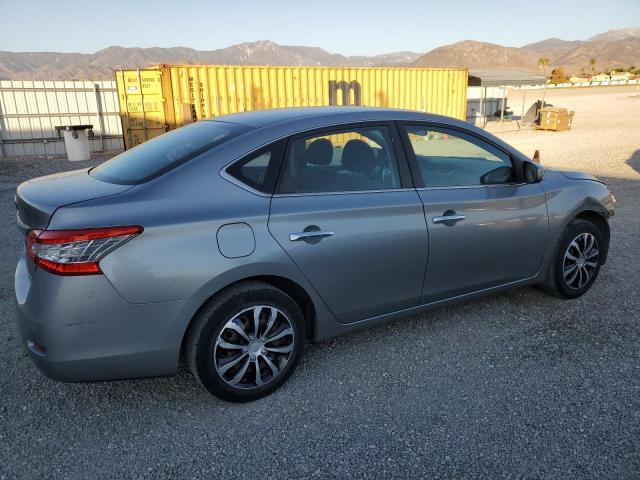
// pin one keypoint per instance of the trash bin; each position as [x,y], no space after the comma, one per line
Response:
[76,141]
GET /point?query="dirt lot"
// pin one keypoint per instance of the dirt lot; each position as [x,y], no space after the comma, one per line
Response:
[517,385]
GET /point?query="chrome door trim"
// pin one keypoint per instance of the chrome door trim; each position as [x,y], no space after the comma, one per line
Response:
[448,218]
[495,185]
[441,123]
[351,192]
[345,123]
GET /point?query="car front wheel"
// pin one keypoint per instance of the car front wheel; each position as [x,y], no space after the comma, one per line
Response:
[577,260]
[246,342]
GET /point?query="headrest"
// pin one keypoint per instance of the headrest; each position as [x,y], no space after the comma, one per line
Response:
[320,152]
[358,157]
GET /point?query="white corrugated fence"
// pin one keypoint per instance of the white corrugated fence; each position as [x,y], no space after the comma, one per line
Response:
[30,111]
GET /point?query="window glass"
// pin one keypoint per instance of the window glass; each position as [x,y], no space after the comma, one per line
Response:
[451,158]
[349,160]
[161,154]
[254,171]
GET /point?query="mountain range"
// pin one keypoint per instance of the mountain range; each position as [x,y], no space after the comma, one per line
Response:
[612,49]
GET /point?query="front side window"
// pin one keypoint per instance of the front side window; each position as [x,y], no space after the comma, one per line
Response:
[453,159]
[349,160]
[159,155]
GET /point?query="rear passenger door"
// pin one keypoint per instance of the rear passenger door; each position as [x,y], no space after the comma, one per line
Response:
[346,213]
[486,226]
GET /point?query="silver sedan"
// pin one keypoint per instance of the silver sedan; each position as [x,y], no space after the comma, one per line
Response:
[232,242]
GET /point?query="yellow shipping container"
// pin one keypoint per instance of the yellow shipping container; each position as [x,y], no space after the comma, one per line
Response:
[159,99]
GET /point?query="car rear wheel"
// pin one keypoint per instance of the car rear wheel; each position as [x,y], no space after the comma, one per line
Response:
[246,342]
[577,260]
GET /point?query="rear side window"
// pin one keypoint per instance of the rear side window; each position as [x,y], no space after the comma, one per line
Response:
[259,169]
[163,153]
[349,160]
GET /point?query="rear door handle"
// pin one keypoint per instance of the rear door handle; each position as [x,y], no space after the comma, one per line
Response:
[294,237]
[448,218]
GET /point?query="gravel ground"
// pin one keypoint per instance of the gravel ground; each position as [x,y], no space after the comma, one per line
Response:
[514,385]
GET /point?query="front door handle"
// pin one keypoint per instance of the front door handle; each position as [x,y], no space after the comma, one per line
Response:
[294,237]
[449,218]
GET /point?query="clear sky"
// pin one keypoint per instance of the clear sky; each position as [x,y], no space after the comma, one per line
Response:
[350,27]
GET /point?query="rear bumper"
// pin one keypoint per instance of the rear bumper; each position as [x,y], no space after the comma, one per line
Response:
[80,329]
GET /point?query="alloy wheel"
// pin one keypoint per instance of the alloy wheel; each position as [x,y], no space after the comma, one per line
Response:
[580,261]
[253,347]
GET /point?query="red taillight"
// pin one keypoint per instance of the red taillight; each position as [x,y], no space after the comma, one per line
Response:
[76,252]
[32,236]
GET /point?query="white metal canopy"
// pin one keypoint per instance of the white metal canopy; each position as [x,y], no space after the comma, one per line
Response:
[502,78]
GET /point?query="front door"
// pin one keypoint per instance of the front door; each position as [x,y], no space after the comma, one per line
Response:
[347,219]
[486,227]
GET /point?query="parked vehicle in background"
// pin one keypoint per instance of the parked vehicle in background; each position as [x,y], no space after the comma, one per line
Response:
[236,240]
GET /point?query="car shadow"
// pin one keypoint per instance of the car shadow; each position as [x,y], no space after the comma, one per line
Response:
[634,161]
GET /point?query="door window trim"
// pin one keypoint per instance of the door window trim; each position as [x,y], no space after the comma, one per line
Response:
[406,182]
[418,181]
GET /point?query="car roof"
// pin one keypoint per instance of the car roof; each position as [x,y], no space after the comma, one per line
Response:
[279,122]
[282,116]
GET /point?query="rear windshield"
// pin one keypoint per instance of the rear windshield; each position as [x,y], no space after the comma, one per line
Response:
[159,155]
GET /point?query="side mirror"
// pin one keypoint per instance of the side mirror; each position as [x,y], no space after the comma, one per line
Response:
[499,175]
[533,172]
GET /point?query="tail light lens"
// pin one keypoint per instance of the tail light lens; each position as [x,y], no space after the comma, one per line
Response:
[76,252]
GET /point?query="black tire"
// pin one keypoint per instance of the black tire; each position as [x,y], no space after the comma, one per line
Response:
[555,283]
[207,326]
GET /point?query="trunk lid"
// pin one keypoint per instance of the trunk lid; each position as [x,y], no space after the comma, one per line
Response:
[38,199]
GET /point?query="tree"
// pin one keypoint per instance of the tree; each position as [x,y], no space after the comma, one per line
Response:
[543,63]
[592,64]
[558,76]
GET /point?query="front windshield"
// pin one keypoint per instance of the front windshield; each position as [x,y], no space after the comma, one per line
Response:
[161,154]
